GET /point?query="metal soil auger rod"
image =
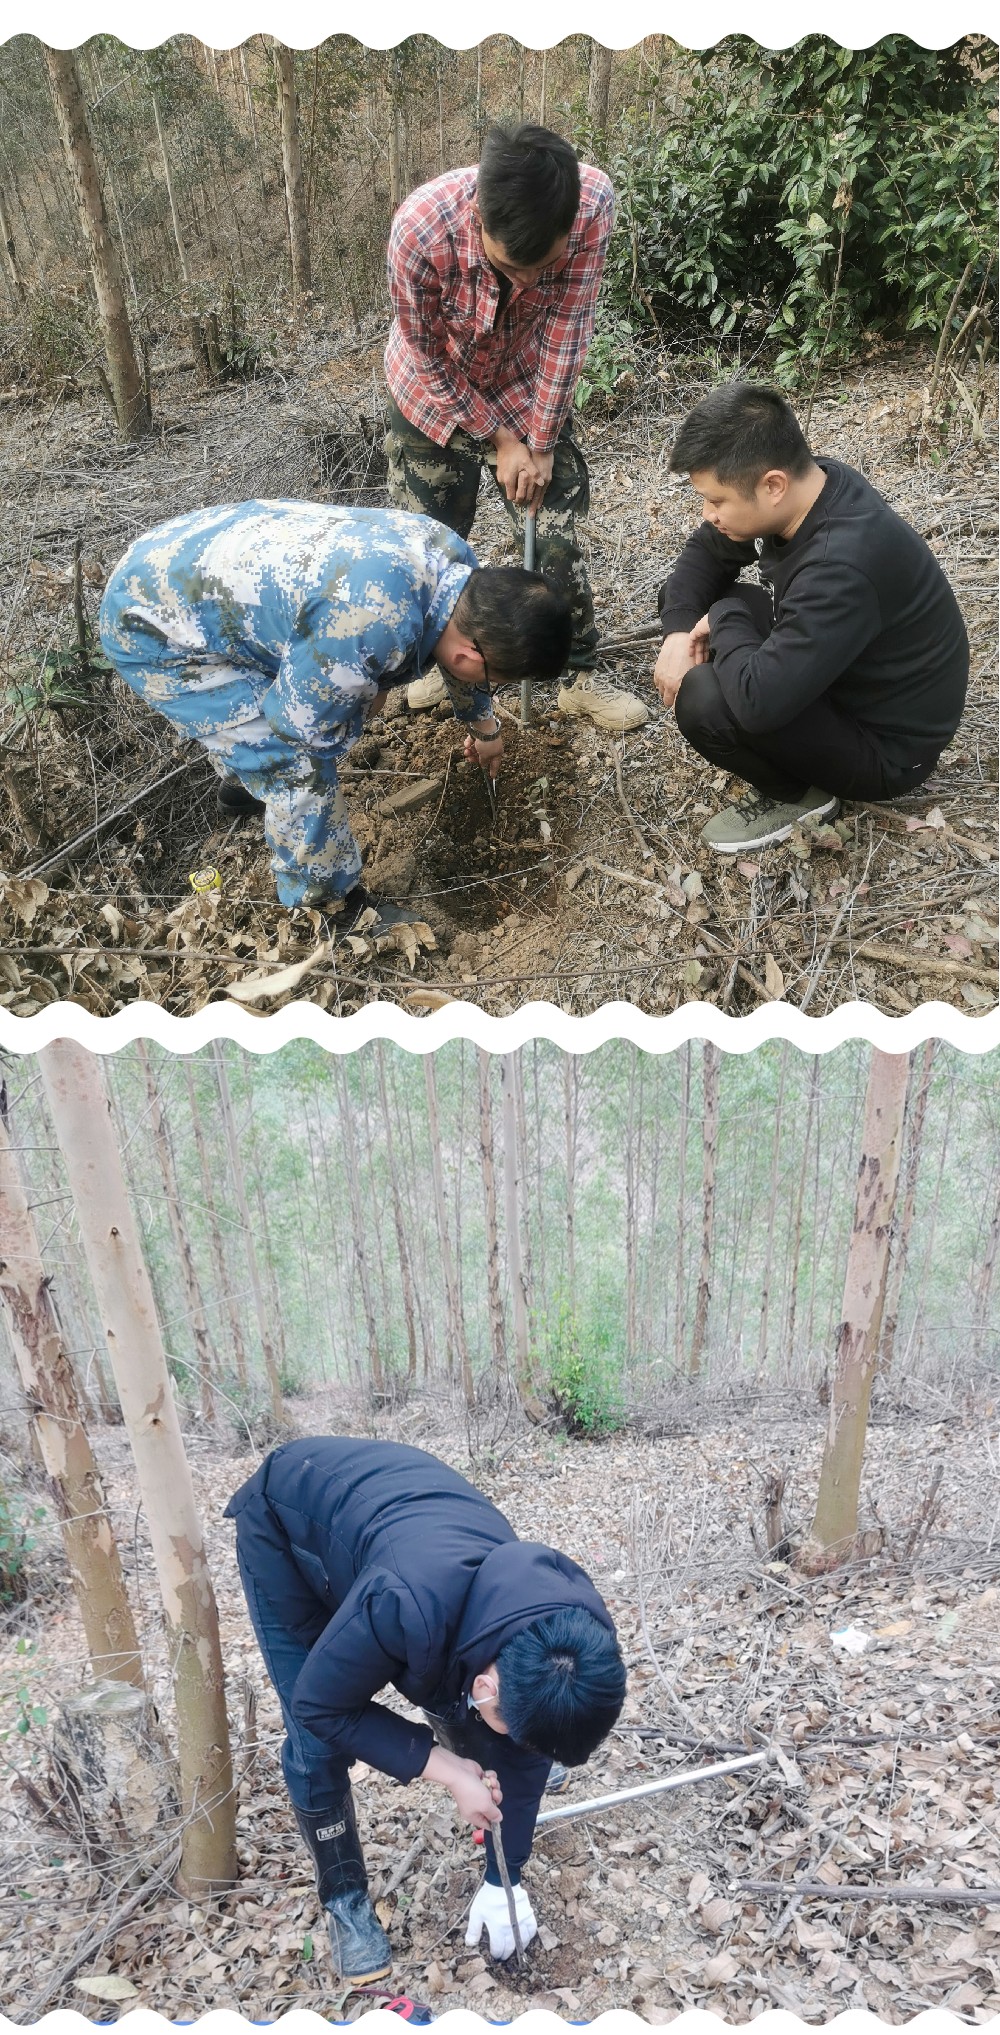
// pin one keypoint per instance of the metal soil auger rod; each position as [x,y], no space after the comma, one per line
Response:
[529,566]
[702,1773]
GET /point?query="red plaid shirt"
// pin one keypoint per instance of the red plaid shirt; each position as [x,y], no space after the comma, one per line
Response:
[449,363]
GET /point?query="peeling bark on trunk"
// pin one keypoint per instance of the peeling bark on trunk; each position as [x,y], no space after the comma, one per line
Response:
[123,365]
[901,1237]
[50,1387]
[78,1102]
[599,87]
[836,1522]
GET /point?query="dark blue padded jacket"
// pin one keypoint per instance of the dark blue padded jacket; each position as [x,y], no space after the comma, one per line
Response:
[393,1569]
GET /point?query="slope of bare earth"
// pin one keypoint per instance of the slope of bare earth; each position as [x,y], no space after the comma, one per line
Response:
[886,1774]
[591,881]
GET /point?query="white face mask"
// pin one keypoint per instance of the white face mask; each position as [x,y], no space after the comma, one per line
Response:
[476,1702]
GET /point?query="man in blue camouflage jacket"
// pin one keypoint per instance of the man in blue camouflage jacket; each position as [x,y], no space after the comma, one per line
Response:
[268,631]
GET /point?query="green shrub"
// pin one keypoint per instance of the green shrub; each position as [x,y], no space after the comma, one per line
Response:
[583,1373]
[806,198]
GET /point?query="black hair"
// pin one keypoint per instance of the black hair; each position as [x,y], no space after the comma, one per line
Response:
[562,1685]
[520,622]
[739,433]
[528,190]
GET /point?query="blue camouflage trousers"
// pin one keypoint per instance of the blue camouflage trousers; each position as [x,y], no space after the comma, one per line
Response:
[314,855]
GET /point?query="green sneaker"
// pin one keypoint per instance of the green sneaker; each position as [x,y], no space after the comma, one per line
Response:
[756,821]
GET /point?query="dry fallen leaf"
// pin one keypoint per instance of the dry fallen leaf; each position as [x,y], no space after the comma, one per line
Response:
[110,1987]
[774,981]
[253,988]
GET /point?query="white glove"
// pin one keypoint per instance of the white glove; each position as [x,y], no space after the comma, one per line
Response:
[490,1909]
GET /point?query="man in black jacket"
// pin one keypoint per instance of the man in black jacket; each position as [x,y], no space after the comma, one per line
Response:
[843,674]
[367,1563]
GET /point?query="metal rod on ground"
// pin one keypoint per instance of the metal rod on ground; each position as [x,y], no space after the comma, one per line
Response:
[509,1891]
[703,1773]
[529,566]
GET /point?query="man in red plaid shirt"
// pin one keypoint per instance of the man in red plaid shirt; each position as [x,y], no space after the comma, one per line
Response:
[494,274]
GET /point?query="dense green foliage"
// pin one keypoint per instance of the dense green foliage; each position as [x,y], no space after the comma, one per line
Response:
[800,200]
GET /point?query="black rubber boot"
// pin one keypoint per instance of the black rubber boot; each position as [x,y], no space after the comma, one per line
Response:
[235,800]
[359,1946]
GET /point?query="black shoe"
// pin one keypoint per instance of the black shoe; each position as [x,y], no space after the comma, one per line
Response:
[359,1947]
[360,900]
[235,800]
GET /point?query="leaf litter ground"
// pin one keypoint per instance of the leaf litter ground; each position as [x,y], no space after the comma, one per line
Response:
[887,1771]
[591,883]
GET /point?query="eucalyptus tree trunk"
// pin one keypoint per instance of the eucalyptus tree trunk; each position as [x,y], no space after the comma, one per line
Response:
[631,1211]
[291,159]
[359,1219]
[680,1297]
[524,1177]
[571,1107]
[456,1325]
[399,1218]
[223,1276]
[163,1145]
[171,199]
[238,1183]
[795,1251]
[512,1224]
[599,87]
[498,1338]
[901,1237]
[80,1109]
[772,1211]
[11,264]
[984,1283]
[836,1521]
[709,1147]
[51,1391]
[124,371]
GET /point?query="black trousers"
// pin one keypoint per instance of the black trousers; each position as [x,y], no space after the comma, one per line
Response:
[822,746]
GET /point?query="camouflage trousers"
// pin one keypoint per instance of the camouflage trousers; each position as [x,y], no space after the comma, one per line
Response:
[443,481]
[314,855]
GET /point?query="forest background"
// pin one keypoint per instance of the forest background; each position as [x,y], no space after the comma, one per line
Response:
[192,256]
[722,1327]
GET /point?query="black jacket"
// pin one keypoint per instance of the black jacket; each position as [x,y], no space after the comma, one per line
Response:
[862,610]
[403,1574]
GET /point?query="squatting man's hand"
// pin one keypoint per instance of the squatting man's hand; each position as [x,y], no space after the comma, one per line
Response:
[523,474]
[486,750]
[489,1911]
[678,653]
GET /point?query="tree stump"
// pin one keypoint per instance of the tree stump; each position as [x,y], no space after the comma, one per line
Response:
[113,1778]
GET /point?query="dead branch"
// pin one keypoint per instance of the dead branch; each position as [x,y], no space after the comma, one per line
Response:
[920,964]
[816,1890]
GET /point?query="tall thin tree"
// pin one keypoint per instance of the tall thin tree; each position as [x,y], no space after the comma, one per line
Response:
[291,158]
[709,1147]
[125,374]
[835,1523]
[50,1388]
[80,1109]
[498,1339]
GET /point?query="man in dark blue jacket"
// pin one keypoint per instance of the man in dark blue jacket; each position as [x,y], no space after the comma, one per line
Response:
[368,1563]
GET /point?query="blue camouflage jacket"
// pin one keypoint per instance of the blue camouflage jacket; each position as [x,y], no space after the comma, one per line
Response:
[312,603]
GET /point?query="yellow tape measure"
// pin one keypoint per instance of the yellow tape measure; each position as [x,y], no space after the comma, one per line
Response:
[204,880]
